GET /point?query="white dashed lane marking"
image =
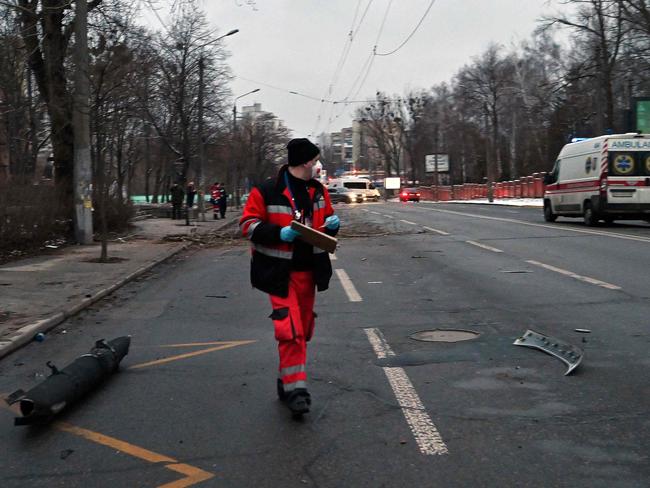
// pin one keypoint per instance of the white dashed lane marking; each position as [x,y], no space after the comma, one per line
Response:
[424,430]
[484,246]
[431,229]
[571,274]
[346,282]
[407,222]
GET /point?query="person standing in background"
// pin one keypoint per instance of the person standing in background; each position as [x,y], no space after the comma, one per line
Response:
[223,201]
[190,194]
[177,194]
[215,195]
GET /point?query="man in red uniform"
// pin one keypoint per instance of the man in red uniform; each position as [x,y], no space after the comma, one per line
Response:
[216,191]
[287,268]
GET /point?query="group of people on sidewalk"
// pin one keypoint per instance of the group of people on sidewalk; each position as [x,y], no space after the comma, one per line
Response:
[218,199]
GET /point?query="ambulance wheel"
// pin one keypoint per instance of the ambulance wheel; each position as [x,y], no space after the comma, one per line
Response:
[549,216]
[589,216]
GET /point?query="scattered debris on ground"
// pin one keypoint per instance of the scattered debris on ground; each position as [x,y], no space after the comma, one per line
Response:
[565,352]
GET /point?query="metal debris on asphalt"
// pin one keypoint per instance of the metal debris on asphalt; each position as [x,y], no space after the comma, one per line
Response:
[565,352]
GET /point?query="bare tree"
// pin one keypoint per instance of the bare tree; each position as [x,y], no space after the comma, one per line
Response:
[47,26]
[262,146]
[386,130]
[173,108]
[600,30]
[486,83]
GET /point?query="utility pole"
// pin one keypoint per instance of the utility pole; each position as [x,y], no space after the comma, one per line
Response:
[232,147]
[82,179]
[199,168]
[235,172]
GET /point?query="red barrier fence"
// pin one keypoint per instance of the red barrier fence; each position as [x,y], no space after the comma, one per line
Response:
[525,187]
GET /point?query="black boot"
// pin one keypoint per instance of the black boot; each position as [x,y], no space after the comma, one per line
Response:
[281,394]
[298,401]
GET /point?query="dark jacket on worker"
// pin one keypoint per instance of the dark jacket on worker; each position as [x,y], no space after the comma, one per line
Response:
[271,206]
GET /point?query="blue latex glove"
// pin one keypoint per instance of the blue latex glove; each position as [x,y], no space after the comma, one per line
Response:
[287,234]
[332,222]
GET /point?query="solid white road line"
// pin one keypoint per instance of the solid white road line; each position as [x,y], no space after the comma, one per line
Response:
[407,222]
[478,244]
[586,279]
[424,430]
[431,229]
[349,288]
[546,226]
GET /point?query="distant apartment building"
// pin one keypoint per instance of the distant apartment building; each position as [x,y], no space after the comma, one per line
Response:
[342,149]
[254,111]
[353,150]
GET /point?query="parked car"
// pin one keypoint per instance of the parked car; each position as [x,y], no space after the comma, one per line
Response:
[409,195]
[345,195]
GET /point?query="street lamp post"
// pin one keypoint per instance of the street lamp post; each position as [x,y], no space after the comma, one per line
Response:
[199,169]
[232,147]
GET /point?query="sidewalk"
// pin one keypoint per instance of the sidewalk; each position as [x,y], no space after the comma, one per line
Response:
[37,294]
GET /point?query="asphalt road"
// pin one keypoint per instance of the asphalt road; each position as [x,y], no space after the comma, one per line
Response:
[194,403]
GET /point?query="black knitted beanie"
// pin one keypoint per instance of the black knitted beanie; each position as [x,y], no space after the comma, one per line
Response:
[301,150]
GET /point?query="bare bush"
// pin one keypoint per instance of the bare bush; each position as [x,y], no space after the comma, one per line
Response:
[31,217]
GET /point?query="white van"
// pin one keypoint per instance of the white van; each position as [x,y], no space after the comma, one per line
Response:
[360,186]
[604,178]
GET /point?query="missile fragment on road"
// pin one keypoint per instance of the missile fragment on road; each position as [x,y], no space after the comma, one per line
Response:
[65,386]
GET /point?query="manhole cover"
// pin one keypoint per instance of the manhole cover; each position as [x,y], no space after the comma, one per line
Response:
[445,335]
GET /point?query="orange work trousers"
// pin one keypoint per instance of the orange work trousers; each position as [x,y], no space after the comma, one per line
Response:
[293,319]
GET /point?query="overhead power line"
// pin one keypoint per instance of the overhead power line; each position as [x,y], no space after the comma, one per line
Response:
[343,57]
[365,69]
[412,32]
[311,97]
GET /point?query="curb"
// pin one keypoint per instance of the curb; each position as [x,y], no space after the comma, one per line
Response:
[25,334]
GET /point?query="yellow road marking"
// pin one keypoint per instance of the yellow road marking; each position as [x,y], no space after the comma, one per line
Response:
[222,345]
[198,344]
[114,443]
[192,474]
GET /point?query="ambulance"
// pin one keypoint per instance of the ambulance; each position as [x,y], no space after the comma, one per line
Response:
[603,178]
[362,187]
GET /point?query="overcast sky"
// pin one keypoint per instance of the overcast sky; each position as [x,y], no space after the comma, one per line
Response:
[296,45]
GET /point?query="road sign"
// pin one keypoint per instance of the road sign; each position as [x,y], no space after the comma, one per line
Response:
[392,183]
[442,163]
[642,114]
